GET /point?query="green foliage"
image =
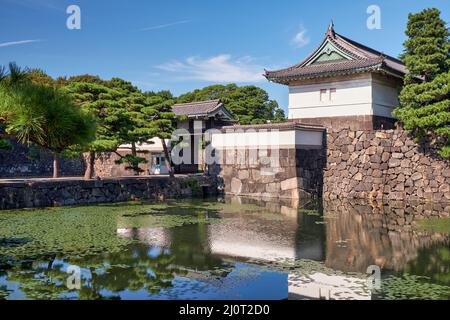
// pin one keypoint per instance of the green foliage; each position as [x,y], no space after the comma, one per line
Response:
[425,99]
[249,103]
[83,231]
[193,184]
[158,115]
[5,144]
[122,114]
[131,162]
[39,76]
[412,287]
[41,115]
[159,120]
[33,152]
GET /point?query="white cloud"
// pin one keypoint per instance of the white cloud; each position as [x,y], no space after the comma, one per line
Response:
[166,25]
[300,39]
[220,68]
[14,43]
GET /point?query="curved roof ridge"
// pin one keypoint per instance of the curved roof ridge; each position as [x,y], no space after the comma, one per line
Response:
[357,54]
[197,102]
[358,46]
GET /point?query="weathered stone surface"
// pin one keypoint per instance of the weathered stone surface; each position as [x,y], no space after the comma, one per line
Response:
[236,186]
[289,184]
[31,161]
[49,193]
[385,164]
[243,174]
[393,163]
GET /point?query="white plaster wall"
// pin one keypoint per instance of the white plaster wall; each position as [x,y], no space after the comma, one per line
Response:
[352,97]
[364,96]
[384,97]
[273,138]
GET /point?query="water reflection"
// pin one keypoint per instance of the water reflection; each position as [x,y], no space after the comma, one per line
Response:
[246,249]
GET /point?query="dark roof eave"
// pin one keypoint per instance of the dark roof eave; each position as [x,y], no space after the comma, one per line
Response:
[376,68]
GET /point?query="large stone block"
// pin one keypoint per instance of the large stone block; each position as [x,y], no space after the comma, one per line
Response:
[289,184]
[236,186]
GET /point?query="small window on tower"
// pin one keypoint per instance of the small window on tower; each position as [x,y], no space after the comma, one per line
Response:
[332,94]
[323,95]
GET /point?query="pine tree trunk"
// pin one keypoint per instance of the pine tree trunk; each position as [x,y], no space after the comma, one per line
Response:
[167,156]
[89,173]
[55,165]
[134,153]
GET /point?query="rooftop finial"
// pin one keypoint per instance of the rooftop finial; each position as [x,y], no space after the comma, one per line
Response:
[330,30]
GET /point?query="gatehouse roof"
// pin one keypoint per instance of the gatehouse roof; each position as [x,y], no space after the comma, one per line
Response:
[338,55]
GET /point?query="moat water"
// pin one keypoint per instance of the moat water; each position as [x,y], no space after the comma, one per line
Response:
[226,249]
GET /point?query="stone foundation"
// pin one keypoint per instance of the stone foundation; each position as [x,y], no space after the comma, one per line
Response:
[49,193]
[383,164]
[366,122]
[297,174]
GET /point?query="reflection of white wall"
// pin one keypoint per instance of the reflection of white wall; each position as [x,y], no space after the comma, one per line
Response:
[251,250]
[158,237]
[329,287]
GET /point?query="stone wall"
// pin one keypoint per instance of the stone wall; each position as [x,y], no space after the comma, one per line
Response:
[49,193]
[25,161]
[383,164]
[105,165]
[362,122]
[297,173]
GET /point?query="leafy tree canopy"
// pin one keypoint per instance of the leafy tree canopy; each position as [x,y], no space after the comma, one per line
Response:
[38,114]
[250,104]
[425,99]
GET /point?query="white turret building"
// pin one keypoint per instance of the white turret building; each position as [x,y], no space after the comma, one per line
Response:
[343,83]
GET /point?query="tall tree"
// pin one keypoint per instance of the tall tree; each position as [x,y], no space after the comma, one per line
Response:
[117,106]
[161,121]
[93,95]
[42,115]
[132,102]
[425,99]
[249,103]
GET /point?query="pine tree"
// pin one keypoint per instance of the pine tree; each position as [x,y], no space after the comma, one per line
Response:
[425,98]
[161,121]
[34,113]
[93,95]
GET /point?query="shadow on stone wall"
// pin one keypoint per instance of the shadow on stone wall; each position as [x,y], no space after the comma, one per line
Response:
[32,161]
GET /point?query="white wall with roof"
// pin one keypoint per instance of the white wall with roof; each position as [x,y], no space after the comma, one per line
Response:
[366,95]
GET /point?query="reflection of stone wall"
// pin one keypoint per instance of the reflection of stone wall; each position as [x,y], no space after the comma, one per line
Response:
[359,234]
[33,194]
[383,164]
[24,161]
[296,173]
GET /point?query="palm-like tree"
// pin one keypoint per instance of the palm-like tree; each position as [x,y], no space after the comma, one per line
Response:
[41,115]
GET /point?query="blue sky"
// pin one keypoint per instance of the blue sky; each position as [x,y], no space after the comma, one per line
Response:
[183,45]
